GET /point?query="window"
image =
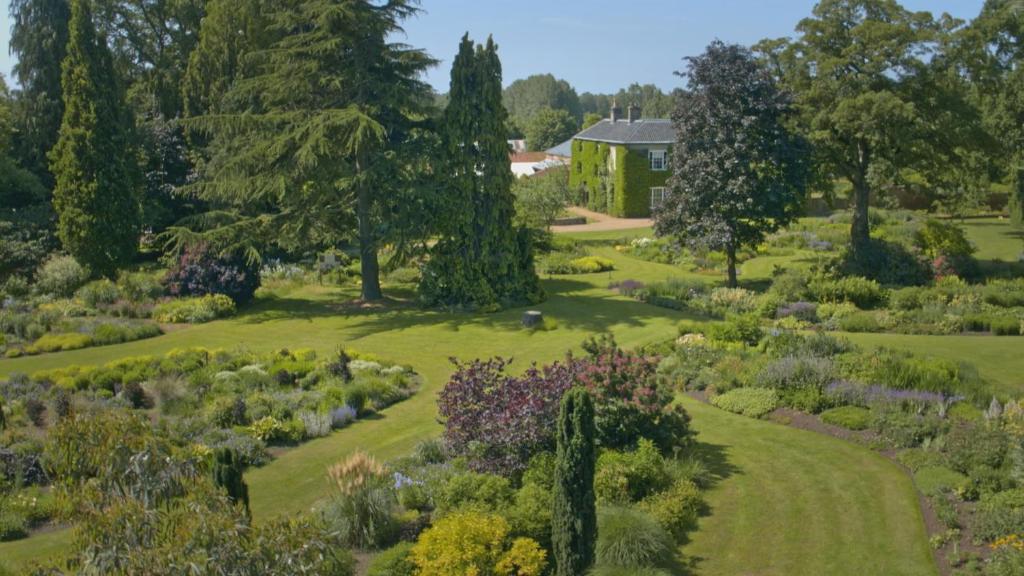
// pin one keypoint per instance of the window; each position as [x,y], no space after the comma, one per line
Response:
[658,160]
[657,196]
[579,167]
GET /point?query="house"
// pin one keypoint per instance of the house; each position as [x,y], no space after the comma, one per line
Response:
[526,163]
[622,164]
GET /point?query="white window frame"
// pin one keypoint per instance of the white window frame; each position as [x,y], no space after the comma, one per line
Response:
[659,156]
[658,194]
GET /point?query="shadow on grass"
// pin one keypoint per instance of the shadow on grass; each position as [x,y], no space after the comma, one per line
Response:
[716,460]
[572,304]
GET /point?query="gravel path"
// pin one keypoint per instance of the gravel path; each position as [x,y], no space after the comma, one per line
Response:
[601,222]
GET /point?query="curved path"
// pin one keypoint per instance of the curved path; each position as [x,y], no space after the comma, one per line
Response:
[598,222]
[788,501]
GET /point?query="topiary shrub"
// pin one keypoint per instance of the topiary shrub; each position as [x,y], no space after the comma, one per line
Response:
[849,417]
[200,271]
[752,402]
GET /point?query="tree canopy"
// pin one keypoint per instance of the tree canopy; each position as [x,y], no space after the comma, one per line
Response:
[738,173]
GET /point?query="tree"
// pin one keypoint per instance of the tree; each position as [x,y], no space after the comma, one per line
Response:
[94,161]
[527,97]
[39,39]
[326,126]
[480,260]
[549,127]
[574,519]
[738,173]
[994,43]
[859,70]
[590,118]
[227,474]
[541,198]
[653,103]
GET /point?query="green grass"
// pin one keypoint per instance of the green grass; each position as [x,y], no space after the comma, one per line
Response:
[998,359]
[995,239]
[795,502]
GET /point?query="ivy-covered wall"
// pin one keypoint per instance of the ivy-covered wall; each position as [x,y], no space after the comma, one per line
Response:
[630,182]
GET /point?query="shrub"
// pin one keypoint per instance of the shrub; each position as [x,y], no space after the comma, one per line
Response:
[194,310]
[885,262]
[362,502]
[395,561]
[858,291]
[849,417]
[13,525]
[139,286]
[860,321]
[971,445]
[1000,514]
[59,342]
[498,420]
[105,334]
[474,491]
[935,239]
[903,430]
[97,294]
[631,538]
[462,543]
[752,402]
[61,276]
[624,477]
[740,329]
[677,508]
[796,372]
[566,264]
[200,271]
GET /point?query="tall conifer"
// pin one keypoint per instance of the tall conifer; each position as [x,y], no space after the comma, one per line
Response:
[481,260]
[574,518]
[94,162]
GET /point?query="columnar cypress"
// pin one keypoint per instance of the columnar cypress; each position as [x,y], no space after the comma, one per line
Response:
[227,473]
[574,518]
[94,161]
[481,260]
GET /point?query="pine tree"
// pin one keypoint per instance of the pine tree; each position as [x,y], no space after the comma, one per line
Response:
[481,260]
[227,473]
[39,38]
[574,518]
[94,161]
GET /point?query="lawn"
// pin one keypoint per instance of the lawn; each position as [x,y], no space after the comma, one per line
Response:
[792,502]
[995,238]
[797,502]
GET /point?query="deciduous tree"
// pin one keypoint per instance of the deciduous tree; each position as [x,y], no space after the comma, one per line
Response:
[738,173]
[549,127]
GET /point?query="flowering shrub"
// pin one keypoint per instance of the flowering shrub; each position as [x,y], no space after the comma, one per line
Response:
[200,271]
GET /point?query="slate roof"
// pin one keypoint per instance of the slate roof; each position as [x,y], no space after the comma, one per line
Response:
[563,149]
[644,131]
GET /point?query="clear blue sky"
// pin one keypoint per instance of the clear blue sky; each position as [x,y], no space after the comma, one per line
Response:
[597,45]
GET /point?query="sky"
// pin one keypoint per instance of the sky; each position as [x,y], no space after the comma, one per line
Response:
[597,45]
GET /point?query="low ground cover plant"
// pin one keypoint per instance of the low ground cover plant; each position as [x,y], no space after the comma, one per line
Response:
[69,427]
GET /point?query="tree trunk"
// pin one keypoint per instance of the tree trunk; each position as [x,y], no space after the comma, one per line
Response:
[369,266]
[730,253]
[860,228]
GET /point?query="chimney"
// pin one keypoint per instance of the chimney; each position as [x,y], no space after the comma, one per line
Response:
[616,112]
[633,112]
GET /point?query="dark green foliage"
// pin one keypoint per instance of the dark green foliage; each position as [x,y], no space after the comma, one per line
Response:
[93,161]
[227,474]
[480,260]
[39,38]
[738,172]
[3,416]
[886,262]
[318,139]
[527,97]
[549,127]
[574,519]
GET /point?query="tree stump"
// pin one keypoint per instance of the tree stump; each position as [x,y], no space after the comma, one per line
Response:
[532,318]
